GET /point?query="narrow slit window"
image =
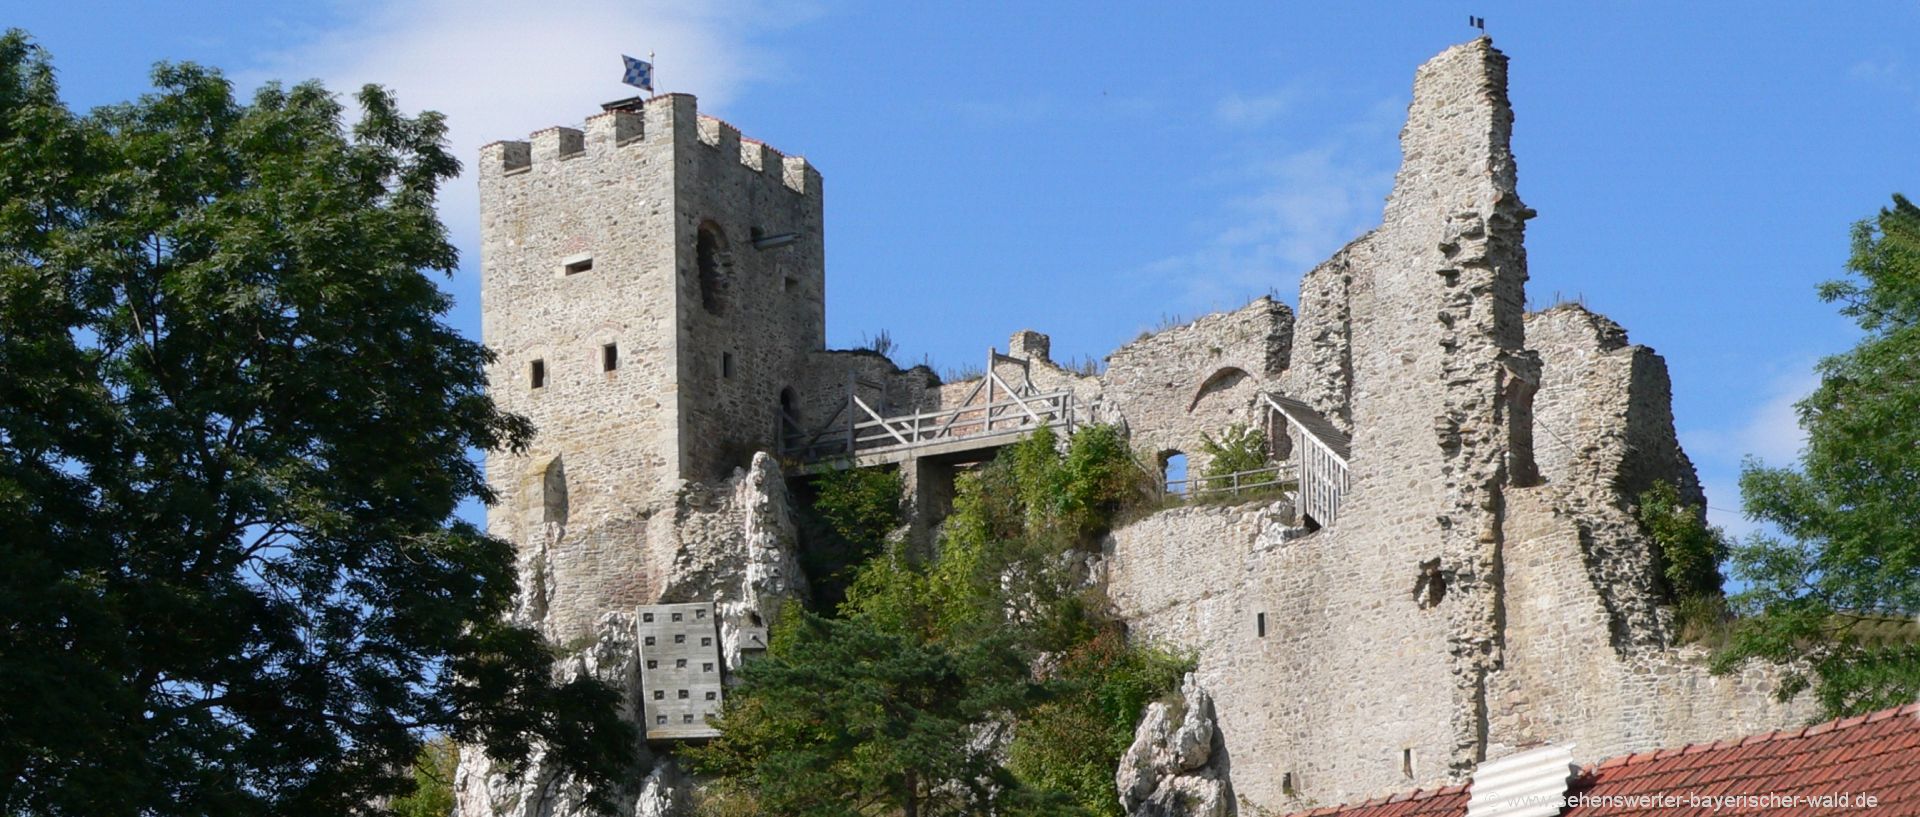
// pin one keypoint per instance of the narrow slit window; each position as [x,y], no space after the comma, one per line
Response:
[537,373]
[726,364]
[578,265]
[1287,783]
[1406,763]
[1260,624]
[609,357]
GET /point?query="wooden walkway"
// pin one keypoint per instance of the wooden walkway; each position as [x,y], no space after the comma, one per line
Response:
[863,432]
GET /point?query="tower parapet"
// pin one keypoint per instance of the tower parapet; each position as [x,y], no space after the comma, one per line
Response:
[651,282]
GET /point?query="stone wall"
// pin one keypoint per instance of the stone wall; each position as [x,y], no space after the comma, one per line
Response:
[746,331]
[1172,386]
[1485,587]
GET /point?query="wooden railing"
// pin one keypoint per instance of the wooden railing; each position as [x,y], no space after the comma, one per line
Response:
[993,409]
[1322,470]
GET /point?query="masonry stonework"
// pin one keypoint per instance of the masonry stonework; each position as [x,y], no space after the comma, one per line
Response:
[1484,589]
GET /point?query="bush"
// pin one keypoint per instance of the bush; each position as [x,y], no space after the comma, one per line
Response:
[1691,551]
[1239,449]
[845,518]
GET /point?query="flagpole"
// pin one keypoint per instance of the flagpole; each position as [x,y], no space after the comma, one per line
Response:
[654,68]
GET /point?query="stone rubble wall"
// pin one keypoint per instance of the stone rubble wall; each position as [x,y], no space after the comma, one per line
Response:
[1486,587]
[1172,386]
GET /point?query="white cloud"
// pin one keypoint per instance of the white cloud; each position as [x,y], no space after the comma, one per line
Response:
[1300,208]
[1253,111]
[1770,430]
[501,70]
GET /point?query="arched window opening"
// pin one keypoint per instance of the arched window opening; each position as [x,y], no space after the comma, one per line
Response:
[1224,381]
[715,264]
[1173,472]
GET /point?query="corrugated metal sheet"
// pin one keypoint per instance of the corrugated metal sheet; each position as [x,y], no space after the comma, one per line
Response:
[1528,784]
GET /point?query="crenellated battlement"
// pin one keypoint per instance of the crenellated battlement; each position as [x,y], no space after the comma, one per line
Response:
[673,118]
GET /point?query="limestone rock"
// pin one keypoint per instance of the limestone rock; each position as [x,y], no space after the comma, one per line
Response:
[483,789]
[1170,770]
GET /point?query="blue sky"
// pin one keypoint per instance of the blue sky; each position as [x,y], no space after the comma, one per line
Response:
[1089,169]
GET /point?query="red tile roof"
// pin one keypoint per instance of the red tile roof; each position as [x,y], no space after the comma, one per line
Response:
[1791,771]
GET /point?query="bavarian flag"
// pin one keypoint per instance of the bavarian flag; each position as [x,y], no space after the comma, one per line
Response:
[639,73]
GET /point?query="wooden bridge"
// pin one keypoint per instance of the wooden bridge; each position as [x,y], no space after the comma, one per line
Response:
[994,414]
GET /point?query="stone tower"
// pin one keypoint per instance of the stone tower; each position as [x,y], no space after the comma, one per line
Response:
[652,286]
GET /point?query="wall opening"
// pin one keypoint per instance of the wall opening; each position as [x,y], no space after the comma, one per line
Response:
[726,364]
[1406,763]
[789,425]
[1260,624]
[609,357]
[537,373]
[1288,785]
[1430,588]
[1173,472]
[713,263]
[577,265]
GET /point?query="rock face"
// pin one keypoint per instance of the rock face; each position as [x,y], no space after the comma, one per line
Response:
[1175,767]
[734,544]
[483,788]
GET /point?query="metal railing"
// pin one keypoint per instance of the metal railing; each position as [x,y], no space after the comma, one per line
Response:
[1277,475]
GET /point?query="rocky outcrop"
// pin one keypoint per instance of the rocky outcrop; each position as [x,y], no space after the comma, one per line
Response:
[735,545]
[483,787]
[1176,766]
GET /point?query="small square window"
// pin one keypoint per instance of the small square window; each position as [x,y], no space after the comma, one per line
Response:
[701,613]
[646,617]
[712,695]
[679,638]
[680,663]
[683,694]
[706,666]
[537,373]
[649,641]
[659,694]
[686,719]
[706,641]
[676,616]
[790,283]
[660,720]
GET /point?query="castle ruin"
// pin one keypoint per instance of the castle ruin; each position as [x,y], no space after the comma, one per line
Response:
[1458,576]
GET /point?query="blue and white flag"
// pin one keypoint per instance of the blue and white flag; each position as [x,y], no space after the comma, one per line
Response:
[639,73]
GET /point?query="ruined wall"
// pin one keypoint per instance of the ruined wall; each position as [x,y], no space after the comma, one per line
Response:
[1201,377]
[1321,370]
[1567,679]
[1485,587]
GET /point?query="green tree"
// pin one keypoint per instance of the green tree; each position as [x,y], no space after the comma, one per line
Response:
[1001,593]
[433,770]
[234,429]
[845,518]
[1848,552]
[844,718]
